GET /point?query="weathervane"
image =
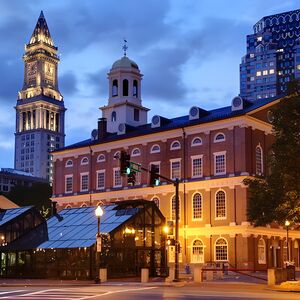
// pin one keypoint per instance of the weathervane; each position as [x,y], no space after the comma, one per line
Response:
[125,47]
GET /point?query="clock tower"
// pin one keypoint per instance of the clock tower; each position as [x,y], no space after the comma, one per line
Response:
[40,107]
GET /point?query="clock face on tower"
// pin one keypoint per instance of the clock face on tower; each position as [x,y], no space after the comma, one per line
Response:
[49,73]
[31,69]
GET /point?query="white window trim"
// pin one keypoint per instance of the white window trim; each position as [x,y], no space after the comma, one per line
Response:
[155,151]
[171,212]
[82,174]
[264,261]
[117,153]
[262,159]
[69,166]
[84,163]
[97,172]
[101,160]
[195,145]
[219,141]
[175,160]
[68,176]
[215,155]
[137,154]
[114,181]
[156,197]
[226,205]
[175,148]
[192,256]
[197,219]
[192,164]
[215,254]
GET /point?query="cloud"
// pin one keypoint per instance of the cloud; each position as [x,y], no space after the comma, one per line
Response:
[68,83]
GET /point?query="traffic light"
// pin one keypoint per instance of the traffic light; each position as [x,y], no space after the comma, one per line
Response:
[154,176]
[131,177]
[124,163]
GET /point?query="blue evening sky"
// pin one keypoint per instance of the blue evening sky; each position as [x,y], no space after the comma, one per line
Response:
[188,50]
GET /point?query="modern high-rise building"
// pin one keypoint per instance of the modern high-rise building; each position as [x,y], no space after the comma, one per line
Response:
[40,108]
[273,56]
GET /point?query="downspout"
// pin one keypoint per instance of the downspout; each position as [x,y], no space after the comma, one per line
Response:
[90,177]
[184,191]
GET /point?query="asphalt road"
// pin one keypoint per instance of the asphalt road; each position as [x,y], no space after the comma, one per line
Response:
[135,292]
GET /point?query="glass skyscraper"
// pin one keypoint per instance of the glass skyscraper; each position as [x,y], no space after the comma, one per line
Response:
[273,56]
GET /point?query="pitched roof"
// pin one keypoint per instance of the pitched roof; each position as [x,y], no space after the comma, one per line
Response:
[179,122]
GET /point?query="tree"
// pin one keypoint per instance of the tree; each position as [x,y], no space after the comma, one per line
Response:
[37,195]
[276,197]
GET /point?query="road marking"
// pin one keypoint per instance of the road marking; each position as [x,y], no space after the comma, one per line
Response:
[17,291]
[118,291]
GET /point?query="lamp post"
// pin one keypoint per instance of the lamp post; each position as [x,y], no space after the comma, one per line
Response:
[166,230]
[99,214]
[287,224]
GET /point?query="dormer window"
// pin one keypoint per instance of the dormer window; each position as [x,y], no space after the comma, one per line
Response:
[196,142]
[125,87]
[175,145]
[84,161]
[115,88]
[155,149]
[219,137]
[136,152]
[117,155]
[101,158]
[113,116]
[69,163]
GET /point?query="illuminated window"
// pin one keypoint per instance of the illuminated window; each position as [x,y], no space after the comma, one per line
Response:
[220,205]
[173,206]
[259,38]
[298,67]
[252,78]
[197,252]
[252,55]
[261,249]
[221,250]
[265,72]
[271,71]
[197,166]
[197,206]
[258,73]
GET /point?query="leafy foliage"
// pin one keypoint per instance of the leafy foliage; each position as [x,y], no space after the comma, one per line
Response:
[276,197]
[37,195]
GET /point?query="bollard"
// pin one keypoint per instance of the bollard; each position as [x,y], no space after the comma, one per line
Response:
[103,274]
[198,275]
[171,276]
[144,275]
[209,275]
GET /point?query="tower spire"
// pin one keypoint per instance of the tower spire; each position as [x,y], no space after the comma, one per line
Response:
[41,32]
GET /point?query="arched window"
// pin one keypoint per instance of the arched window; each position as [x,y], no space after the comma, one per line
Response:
[221,250]
[136,152]
[220,205]
[219,137]
[115,88]
[117,155]
[113,116]
[155,149]
[68,206]
[83,205]
[173,206]
[175,145]
[261,251]
[258,160]
[125,87]
[197,206]
[69,163]
[84,161]
[196,141]
[101,158]
[135,88]
[197,252]
[156,201]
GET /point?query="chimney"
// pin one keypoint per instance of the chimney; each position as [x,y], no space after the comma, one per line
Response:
[102,128]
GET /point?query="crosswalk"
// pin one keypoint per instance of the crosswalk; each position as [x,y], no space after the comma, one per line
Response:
[49,294]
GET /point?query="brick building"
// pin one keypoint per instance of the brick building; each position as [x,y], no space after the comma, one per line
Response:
[210,151]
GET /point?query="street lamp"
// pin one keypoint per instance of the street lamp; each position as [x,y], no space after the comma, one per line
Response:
[99,214]
[287,224]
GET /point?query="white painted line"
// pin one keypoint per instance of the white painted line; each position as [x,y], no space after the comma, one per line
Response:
[118,291]
[17,291]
